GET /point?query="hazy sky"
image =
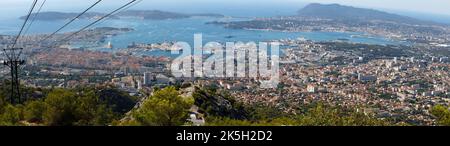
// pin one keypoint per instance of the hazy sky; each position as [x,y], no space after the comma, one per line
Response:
[424,6]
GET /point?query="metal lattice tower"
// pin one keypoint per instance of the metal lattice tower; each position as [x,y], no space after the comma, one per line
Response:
[13,53]
[14,62]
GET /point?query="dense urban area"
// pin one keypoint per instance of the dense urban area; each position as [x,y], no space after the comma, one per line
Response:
[322,83]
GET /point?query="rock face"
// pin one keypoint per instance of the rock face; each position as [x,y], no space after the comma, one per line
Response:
[340,12]
[120,102]
[214,104]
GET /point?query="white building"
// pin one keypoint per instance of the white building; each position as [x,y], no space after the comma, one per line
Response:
[311,89]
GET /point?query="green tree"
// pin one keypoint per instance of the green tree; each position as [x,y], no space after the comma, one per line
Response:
[61,109]
[11,116]
[323,115]
[34,110]
[442,115]
[165,108]
[225,121]
[91,110]
[65,107]
[316,115]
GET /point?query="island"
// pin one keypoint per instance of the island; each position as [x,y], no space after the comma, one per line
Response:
[142,14]
[54,16]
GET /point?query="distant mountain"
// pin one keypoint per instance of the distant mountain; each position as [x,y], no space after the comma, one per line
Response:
[153,14]
[348,13]
[207,15]
[162,15]
[145,14]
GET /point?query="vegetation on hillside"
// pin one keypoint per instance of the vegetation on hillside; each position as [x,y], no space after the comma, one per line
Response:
[67,107]
[442,113]
[166,107]
[220,110]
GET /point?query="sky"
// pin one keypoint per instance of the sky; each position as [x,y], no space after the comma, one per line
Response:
[15,7]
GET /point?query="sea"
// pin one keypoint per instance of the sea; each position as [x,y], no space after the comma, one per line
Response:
[175,30]
[158,31]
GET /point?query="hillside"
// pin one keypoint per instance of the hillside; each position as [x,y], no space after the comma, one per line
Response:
[162,15]
[144,14]
[52,16]
[348,13]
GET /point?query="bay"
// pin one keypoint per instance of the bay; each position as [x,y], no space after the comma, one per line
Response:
[158,31]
